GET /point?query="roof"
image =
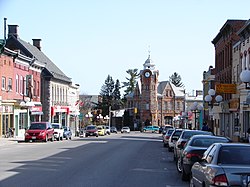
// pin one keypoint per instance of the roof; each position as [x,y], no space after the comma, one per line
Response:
[40,56]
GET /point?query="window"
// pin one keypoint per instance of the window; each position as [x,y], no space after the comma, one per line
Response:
[10,84]
[3,83]
[38,89]
[17,83]
[21,85]
[34,88]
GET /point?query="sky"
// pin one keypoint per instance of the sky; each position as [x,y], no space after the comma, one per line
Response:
[91,39]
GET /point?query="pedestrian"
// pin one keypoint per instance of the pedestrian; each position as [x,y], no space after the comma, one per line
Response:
[248,131]
[205,127]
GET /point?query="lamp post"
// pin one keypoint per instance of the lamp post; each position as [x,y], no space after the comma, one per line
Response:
[106,118]
[99,118]
[88,116]
[196,109]
[27,104]
[211,99]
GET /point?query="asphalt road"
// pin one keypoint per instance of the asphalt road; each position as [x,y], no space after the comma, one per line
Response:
[118,160]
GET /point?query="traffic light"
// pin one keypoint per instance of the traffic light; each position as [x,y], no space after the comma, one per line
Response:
[135,110]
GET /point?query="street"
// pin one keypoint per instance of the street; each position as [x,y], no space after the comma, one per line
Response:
[116,160]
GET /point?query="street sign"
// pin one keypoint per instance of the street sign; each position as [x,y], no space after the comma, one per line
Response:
[226,88]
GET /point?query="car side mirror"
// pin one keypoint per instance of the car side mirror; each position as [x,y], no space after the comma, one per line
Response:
[180,146]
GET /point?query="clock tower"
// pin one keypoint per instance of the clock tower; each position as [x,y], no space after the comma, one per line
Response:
[149,81]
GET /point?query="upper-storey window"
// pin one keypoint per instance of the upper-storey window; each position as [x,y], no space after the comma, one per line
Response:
[3,83]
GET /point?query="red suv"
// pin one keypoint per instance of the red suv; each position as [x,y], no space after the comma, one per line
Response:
[40,131]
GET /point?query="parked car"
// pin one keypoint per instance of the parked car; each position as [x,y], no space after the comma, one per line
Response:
[173,138]
[113,129]
[125,129]
[67,134]
[167,136]
[107,130]
[40,131]
[223,164]
[101,130]
[194,150]
[165,129]
[150,129]
[91,130]
[185,135]
[58,131]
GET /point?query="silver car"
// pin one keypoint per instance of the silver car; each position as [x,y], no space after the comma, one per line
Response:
[223,164]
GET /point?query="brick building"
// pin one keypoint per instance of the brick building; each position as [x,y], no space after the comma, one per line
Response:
[158,103]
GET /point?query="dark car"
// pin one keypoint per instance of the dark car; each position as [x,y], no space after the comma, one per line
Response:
[91,130]
[113,130]
[165,129]
[67,134]
[194,150]
[223,164]
[185,135]
[40,131]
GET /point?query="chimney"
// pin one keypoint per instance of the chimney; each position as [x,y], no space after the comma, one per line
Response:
[12,30]
[37,43]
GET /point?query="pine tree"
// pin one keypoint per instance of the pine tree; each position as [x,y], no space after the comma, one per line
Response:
[130,85]
[176,80]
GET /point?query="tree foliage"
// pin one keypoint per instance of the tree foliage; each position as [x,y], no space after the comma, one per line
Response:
[111,95]
[176,80]
[131,81]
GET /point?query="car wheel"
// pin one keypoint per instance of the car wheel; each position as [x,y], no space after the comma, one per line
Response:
[179,165]
[70,137]
[191,183]
[184,176]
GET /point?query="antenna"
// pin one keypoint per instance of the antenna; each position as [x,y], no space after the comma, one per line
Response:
[149,51]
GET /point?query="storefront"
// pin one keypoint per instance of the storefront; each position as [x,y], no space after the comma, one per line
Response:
[6,118]
[60,114]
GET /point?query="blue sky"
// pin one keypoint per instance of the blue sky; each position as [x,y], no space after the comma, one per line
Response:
[91,39]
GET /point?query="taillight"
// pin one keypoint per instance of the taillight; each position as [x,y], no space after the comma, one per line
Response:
[190,155]
[167,137]
[220,180]
[183,143]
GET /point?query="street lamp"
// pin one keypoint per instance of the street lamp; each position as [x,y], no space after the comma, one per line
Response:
[210,100]
[99,118]
[106,118]
[196,108]
[245,77]
[88,116]
[27,104]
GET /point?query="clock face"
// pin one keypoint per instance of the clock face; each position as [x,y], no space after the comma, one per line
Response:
[147,74]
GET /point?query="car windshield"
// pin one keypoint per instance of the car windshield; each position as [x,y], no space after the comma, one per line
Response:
[231,155]
[41,126]
[55,126]
[206,142]
[189,134]
[90,127]
[125,128]
[170,131]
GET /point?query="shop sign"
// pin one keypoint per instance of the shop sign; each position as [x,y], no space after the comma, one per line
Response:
[226,88]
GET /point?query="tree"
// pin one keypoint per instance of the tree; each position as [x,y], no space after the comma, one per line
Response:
[176,80]
[107,95]
[117,103]
[130,85]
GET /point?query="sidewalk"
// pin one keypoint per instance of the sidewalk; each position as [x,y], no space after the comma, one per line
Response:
[9,141]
